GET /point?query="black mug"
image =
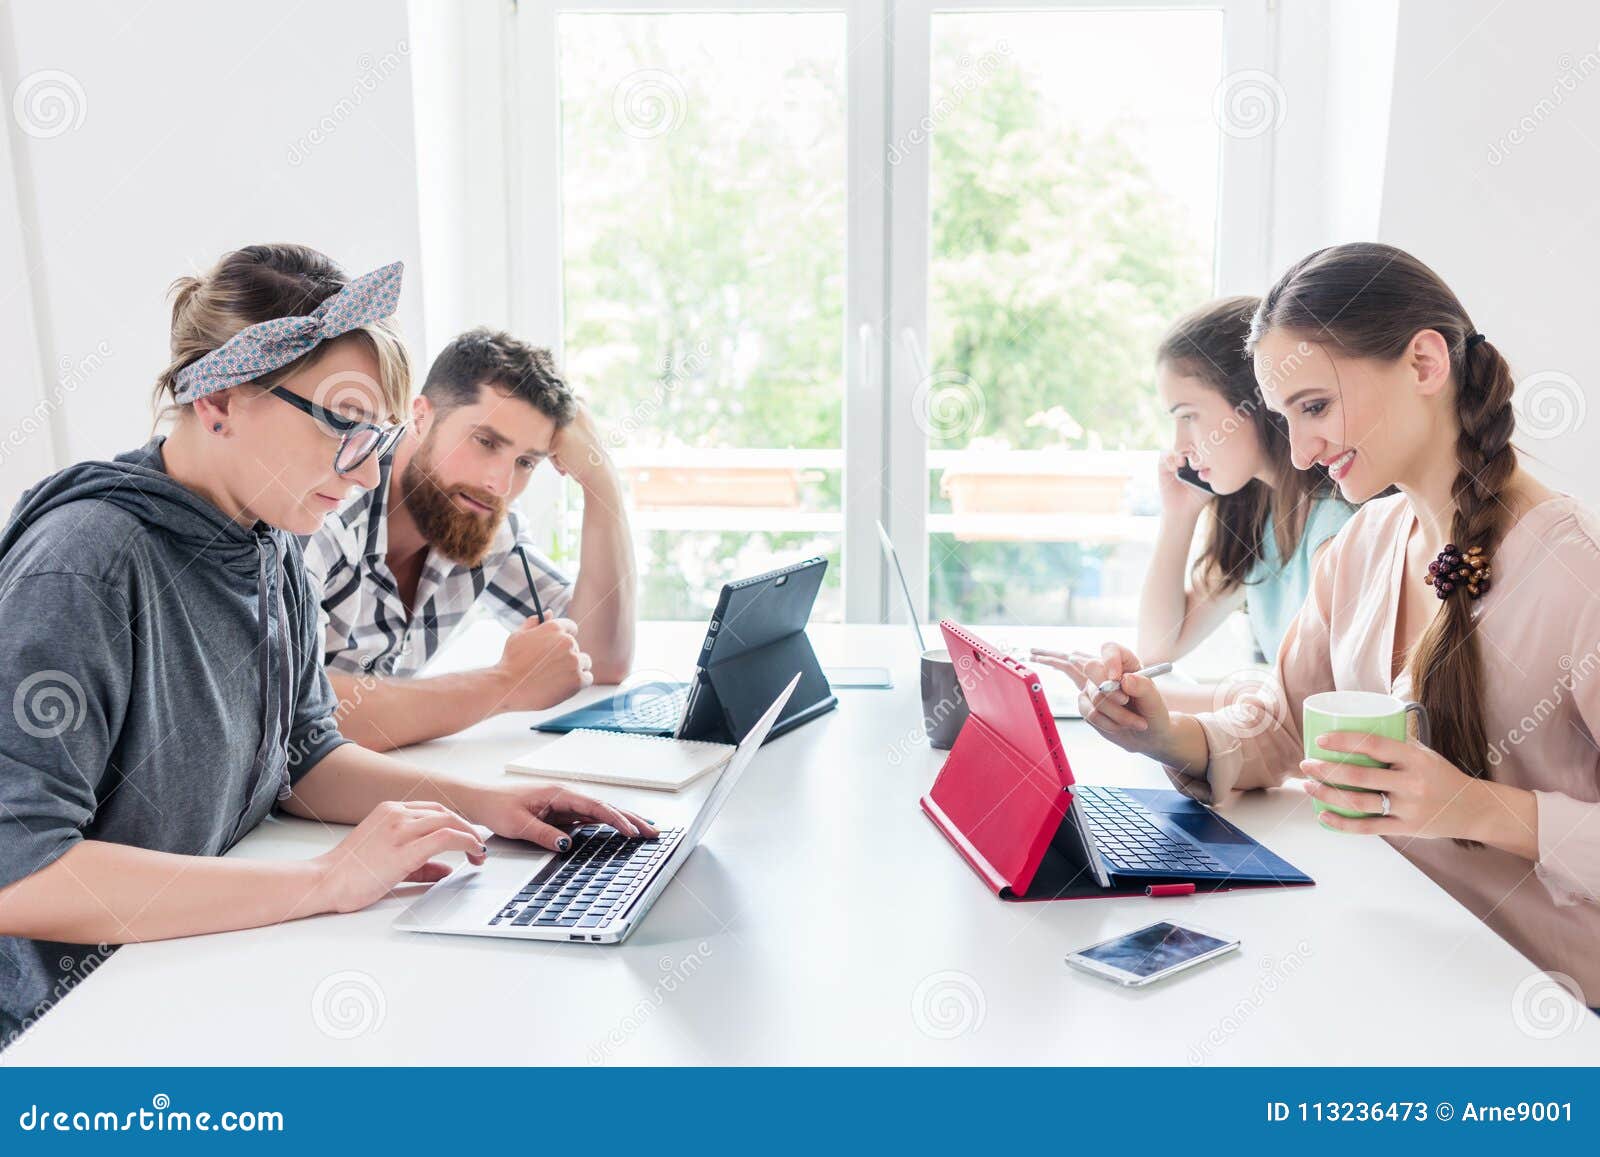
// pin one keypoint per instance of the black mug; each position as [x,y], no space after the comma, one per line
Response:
[944,707]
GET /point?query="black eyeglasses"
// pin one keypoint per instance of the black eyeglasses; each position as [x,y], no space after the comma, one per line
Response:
[358,440]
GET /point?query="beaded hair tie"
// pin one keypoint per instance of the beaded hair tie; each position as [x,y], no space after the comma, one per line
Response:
[1453,571]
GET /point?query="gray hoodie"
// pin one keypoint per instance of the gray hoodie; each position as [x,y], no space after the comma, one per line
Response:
[163,675]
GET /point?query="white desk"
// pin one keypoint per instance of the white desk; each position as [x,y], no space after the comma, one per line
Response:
[825,920]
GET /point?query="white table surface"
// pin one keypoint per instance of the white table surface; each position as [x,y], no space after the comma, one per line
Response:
[825,920]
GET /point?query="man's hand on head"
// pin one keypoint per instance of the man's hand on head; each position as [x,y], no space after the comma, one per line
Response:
[579,451]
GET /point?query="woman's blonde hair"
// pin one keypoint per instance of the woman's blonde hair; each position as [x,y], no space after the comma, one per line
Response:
[259,283]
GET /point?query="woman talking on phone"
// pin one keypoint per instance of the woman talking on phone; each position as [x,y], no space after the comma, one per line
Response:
[162,654]
[1265,520]
[1475,590]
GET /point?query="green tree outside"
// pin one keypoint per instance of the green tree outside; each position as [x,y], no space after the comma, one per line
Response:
[1056,263]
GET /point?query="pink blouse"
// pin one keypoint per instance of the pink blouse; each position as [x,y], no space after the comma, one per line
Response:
[1539,639]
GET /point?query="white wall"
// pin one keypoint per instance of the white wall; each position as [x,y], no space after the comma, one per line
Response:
[27,399]
[1493,178]
[460,63]
[1334,64]
[203,127]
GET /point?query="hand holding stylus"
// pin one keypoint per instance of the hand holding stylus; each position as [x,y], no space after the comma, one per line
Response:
[1150,672]
[1109,685]
[1131,713]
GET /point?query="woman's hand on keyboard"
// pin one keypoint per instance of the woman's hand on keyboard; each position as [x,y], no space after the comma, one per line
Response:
[1134,716]
[541,814]
[395,844]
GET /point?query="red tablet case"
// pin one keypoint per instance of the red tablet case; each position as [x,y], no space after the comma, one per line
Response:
[1004,789]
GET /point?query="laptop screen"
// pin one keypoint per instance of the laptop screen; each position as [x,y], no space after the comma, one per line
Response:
[746,751]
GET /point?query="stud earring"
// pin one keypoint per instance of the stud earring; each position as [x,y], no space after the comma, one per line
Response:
[216,427]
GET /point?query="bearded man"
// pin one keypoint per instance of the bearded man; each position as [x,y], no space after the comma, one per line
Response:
[399,568]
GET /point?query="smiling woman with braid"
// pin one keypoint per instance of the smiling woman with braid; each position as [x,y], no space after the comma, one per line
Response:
[1475,590]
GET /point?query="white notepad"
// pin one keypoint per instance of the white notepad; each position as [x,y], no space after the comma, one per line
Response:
[624,760]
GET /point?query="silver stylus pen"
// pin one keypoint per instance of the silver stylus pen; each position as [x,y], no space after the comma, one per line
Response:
[1150,672]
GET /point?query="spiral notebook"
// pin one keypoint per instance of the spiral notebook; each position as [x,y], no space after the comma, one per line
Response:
[624,760]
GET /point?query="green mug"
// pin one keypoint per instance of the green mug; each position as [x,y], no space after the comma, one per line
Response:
[1368,712]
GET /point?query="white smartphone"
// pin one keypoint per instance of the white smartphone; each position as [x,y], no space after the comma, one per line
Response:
[1152,953]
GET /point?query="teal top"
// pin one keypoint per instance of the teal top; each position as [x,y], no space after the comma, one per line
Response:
[1274,589]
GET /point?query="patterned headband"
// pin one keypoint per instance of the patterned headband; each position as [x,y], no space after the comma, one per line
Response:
[268,345]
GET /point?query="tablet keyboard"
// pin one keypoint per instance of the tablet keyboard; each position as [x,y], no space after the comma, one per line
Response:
[640,711]
[1131,839]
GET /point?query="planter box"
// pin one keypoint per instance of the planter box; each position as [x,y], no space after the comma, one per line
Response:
[972,492]
[669,487]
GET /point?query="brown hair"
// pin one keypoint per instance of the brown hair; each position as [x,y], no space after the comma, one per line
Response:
[1209,344]
[1369,301]
[485,357]
[259,283]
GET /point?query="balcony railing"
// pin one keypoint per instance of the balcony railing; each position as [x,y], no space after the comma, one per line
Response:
[1085,496]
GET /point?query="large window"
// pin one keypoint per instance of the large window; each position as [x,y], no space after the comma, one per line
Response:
[822,264]
[1073,187]
[702,189]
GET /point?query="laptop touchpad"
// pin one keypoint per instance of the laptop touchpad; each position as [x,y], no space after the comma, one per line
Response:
[1205,827]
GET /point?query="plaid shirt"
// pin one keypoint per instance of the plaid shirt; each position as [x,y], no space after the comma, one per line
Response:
[365,623]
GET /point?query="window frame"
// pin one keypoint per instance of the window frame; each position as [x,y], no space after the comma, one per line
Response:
[887,234]
[537,277]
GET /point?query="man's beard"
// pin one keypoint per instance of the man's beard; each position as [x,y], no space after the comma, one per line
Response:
[459,535]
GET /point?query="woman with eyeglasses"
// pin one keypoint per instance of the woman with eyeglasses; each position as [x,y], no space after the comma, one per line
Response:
[162,653]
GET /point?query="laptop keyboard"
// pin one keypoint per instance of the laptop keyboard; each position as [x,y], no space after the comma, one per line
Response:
[602,874]
[653,712]
[1131,839]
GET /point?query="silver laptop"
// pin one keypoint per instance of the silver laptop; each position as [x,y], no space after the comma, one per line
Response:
[595,892]
[1063,700]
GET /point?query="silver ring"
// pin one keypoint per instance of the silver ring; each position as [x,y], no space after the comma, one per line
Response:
[1384,796]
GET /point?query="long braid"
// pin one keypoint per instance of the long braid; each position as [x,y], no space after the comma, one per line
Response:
[1446,664]
[1371,300]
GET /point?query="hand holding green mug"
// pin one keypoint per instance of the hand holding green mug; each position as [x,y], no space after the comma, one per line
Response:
[1365,711]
